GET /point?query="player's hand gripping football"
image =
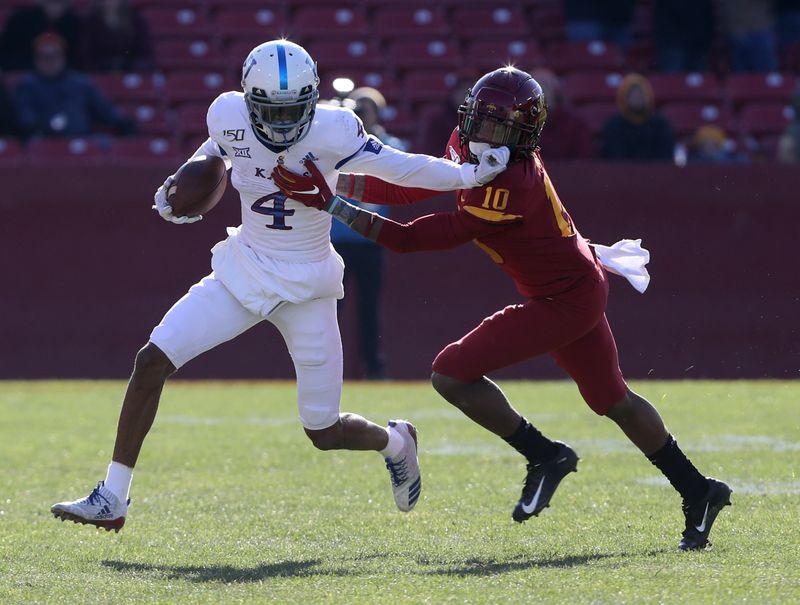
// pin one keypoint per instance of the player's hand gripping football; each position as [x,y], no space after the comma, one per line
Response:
[310,189]
[165,210]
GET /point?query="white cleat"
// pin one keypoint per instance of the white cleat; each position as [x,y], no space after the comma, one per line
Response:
[101,508]
[404,468]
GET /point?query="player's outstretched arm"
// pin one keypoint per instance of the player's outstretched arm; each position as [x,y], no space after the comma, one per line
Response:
[432,232]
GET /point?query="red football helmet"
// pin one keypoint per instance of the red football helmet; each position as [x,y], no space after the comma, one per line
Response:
[504,107]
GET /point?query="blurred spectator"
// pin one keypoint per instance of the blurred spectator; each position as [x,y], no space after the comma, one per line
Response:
[8,116]
[636,131]
[750,28]
[787,23]
[363,259]
[789,143]
[114,37]
[710,145]
[25,23]
[609,20]
[438,124]
[683,31]
[54,101]
[567,135]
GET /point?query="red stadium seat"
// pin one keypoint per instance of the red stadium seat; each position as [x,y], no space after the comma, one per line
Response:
[191,121]
[686,118]
[504,20]
[76,150]
[428,85]
[338,19]
[433,53]
[10,150]
[382,81]
[749,88]
[258,22]
[762,119]
[150,119]
[346,53]
[143,149]
[392,21]
[671,88]
[131,87]
[197,87]
[177,22]
[584,56]
[582,88]
[399,121]
[175,55]
[597,114]
[485,55]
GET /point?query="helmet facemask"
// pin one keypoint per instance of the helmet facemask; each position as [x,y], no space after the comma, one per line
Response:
[282,124]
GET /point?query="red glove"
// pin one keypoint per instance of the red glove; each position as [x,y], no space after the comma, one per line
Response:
[310,189]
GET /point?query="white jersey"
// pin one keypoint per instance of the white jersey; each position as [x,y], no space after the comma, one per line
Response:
[282,228]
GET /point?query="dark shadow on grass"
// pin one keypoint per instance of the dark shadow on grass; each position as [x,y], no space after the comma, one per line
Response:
[490,567]
[230,573]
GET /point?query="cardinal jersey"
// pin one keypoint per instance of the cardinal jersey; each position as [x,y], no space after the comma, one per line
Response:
[282,228]
[540,248]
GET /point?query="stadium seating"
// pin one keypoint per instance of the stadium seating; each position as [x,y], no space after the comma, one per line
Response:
[356,53]
[421,53]
[135,150]
[76,150]
[428,85]
[483,55]
[339,19]
[592,87]
[393,21]
[131,87]
[584,56]
[10,150]
[178,55]
[197,87]
[760,119]
[482,21]
[257,22]
[671,88]
[150,119]
[686,118]
[749,88]
[189,22]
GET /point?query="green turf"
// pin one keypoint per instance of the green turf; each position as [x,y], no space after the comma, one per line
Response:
[231,504]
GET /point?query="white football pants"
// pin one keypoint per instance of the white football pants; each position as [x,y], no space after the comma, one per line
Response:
[208,315]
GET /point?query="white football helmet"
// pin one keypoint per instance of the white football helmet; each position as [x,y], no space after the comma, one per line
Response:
[280,85]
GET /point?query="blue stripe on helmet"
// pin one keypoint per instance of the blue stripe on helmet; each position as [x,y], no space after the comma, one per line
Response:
[282,72]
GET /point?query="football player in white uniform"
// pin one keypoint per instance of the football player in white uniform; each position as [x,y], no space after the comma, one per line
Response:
[278,265]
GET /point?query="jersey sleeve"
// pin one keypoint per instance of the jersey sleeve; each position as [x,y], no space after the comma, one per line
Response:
[216,144]
[438,231]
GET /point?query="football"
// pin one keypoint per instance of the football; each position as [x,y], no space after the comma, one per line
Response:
[199,185]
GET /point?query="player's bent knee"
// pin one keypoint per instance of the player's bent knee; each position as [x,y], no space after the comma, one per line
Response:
[327,439]
[152,362]
[447,387]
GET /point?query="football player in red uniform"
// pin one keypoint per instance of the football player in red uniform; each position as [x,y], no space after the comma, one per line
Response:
[520,222]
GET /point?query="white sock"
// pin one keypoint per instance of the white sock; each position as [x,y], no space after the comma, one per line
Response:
[118,480]
[395,445]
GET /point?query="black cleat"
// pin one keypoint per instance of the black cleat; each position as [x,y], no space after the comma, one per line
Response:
[542,481]
[701,514]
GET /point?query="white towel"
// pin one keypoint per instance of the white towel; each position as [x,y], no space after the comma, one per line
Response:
[628,259]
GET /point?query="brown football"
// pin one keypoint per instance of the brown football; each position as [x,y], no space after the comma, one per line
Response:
[199,185]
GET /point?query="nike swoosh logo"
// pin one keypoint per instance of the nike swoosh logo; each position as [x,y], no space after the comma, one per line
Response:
[310,192]
[702,527]
[529,508]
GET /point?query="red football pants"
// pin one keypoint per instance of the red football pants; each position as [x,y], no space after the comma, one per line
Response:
[571,327]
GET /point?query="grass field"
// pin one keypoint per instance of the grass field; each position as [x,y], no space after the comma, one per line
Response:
[231,504]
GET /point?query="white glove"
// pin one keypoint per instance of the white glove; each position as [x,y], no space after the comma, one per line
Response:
[165,210]
[492,162]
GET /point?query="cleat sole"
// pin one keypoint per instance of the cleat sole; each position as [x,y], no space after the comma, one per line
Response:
[115,524]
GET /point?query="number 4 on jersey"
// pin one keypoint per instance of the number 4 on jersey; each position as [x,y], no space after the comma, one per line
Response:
[277,210]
